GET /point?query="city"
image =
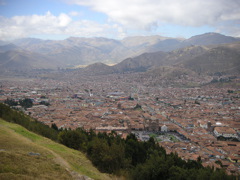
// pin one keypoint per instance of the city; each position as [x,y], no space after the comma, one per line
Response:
[198,121]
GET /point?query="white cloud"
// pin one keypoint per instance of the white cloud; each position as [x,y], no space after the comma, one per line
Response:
[49,24]
[42,20]
[127,16]
[229,28]
[147,13]
[74,13]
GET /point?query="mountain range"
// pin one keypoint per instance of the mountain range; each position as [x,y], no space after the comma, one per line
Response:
[36,53]
[206,60]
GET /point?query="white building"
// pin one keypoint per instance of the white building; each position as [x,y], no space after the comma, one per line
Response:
[164,128]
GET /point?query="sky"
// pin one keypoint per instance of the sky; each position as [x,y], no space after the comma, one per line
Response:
[117,19]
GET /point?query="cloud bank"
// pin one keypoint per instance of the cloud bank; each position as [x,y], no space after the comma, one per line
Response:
[125,16]
[49,24]
[145,13]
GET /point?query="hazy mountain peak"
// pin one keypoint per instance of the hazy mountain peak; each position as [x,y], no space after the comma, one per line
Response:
[139,40]
[83,51]
[8,47]
[27,41]
[98,69]
[210,39]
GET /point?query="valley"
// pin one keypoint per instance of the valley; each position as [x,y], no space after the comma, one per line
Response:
[183,93]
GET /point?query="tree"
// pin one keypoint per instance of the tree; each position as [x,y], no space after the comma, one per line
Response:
[54,126]
[97,150]
[44,103]
[130,98]
[73,139]
[138,107]
[26,103]
[177,173]
[135,152]
[11,102]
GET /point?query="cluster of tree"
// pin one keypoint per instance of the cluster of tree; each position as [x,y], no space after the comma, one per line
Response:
[138,107]
[135,159]
[25,103]
[130,98]
[112,154]
[20,118]
[221,80]
[45,103]
[11,102]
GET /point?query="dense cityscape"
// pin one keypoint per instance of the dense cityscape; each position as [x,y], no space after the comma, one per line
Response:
[199,121]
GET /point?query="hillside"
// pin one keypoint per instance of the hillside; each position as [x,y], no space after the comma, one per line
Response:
[98,69]
[209,39]
[84,51]
[204,60]
[22,60]
[130,54]
[151,43]
[200,59]
[8,47]
[26,155]
[141,63]
[220,59]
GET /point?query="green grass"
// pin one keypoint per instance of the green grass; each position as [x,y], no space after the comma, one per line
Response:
[15,162]
[173,138]
[153,135]
[28,135]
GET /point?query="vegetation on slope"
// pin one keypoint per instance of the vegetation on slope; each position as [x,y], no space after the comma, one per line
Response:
[20,118]
[26,155]
[21,158]
[135,159]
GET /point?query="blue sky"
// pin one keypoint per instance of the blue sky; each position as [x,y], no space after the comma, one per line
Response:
[60,19]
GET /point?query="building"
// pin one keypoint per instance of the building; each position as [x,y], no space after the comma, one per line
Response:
[111,128]
[226,132]
[164,128]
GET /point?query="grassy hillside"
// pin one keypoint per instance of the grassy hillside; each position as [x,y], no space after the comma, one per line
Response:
[26,155]
[219,59]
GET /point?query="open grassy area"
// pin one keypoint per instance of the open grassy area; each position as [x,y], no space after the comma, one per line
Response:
[54,160]
[155,137]
[173,138]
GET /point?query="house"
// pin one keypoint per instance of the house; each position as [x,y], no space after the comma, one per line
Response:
[226,132]
[164,128]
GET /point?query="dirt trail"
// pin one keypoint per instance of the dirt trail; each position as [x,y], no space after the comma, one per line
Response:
[58,159]
[62,162]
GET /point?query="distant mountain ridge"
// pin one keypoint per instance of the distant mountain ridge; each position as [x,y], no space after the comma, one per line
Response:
[198,59]
[48,54]
[209,39]
[219,59]
[19,60]
[9,47]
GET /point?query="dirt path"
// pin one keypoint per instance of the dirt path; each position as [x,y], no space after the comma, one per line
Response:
[62,162]
[57,158]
